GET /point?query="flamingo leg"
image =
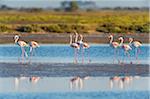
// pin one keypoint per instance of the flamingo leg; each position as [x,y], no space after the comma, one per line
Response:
[129,56]
[118,56]
[88,55]
[75,55]
[82,55]
[31,53]
[115,55]
[124,57]
[138,52]
[22,54]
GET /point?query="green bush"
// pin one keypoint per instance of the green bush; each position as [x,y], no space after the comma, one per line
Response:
[4,28]
[29,28]
[66,28]
[80,28]
[52,28]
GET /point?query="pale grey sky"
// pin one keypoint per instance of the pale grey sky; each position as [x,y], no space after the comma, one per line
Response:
[56,3]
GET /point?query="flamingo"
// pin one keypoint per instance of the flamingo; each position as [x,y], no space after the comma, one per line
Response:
[33,45]
[22,44]
[84,45]
[113,44]
[136,44]
[126,47]
[75,46]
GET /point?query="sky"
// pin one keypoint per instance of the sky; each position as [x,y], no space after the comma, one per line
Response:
[56,3]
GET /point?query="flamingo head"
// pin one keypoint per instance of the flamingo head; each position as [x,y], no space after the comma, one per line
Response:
[75,32]
[16,37]
[130,39]
[120,38]
[110,36]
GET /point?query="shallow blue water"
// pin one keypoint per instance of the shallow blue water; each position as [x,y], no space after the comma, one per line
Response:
[59,88]
[78,95]
[60,53]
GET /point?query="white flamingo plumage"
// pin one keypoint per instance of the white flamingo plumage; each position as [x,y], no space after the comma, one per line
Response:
[136,44]
[115,45]
[84,45]
[126,47]
[22,44]
[33,45]
[75,46]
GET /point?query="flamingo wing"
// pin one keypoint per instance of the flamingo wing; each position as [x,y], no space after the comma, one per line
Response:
[75,45]
[115,44]
[86,45]
[34,44]
[22,43]
[137,44]
[127,47]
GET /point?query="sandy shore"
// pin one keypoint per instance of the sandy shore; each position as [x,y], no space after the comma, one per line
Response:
[70,69]
[64,38]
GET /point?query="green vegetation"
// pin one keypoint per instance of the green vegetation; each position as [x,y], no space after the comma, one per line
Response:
[84,22]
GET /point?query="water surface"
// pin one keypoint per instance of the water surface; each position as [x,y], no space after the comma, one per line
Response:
[62,53]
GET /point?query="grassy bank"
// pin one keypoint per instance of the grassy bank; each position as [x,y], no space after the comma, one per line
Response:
[46,22]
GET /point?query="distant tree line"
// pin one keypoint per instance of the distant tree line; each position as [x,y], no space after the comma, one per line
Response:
[71,6]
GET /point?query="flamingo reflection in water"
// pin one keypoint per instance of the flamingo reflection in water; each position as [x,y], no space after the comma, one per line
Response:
[17,81]
[33,80]
[120,82]
[77,82]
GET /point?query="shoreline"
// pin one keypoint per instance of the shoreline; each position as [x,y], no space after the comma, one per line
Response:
[63,38]
[70,69]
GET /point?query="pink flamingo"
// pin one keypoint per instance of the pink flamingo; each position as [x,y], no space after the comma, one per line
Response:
[115,45]
[84,45]
[75,46]
[33,45]
[126,47]
[22,44]
[136,44]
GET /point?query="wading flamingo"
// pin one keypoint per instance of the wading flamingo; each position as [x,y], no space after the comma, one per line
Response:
[22,44]
[126,47]
[136,44]
[33,45]
[115,45]
[84,45]
[75,46]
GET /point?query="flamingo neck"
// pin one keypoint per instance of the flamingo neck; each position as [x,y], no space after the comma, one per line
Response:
[111,40]
[81,38]
[130,42]
[76,37]
[16,40]
[70,39]
[121,42]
